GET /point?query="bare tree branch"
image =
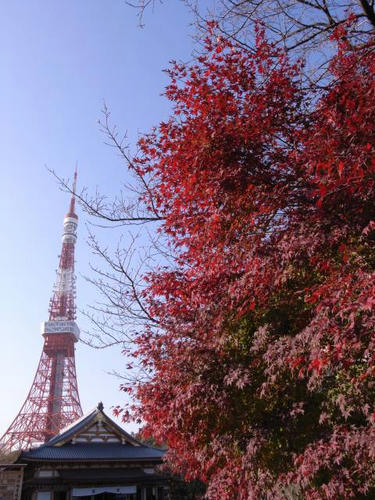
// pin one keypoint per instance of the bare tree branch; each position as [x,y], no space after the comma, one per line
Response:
[302,27]
[117,211]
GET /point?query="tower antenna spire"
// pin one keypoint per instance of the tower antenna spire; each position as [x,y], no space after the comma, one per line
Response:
[73,198]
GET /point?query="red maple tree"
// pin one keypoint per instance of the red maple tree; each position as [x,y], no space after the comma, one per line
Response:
[262,364]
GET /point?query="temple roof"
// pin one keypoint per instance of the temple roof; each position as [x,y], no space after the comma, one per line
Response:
[94,436]
[93,451]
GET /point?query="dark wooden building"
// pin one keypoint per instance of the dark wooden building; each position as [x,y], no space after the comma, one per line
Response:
[93,459]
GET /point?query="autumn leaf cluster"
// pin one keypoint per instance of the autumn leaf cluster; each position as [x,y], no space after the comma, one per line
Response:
[262,364]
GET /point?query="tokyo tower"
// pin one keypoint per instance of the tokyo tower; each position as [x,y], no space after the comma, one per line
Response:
[53,400]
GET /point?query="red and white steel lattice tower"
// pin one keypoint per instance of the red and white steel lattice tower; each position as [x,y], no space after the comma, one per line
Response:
[53,401]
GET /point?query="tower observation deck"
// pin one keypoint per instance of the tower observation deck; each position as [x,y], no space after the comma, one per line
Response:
[53,400]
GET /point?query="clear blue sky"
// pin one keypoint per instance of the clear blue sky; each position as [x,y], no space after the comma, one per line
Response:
[59,60]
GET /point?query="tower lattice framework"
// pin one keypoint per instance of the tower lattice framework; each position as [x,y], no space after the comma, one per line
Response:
[53,400]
